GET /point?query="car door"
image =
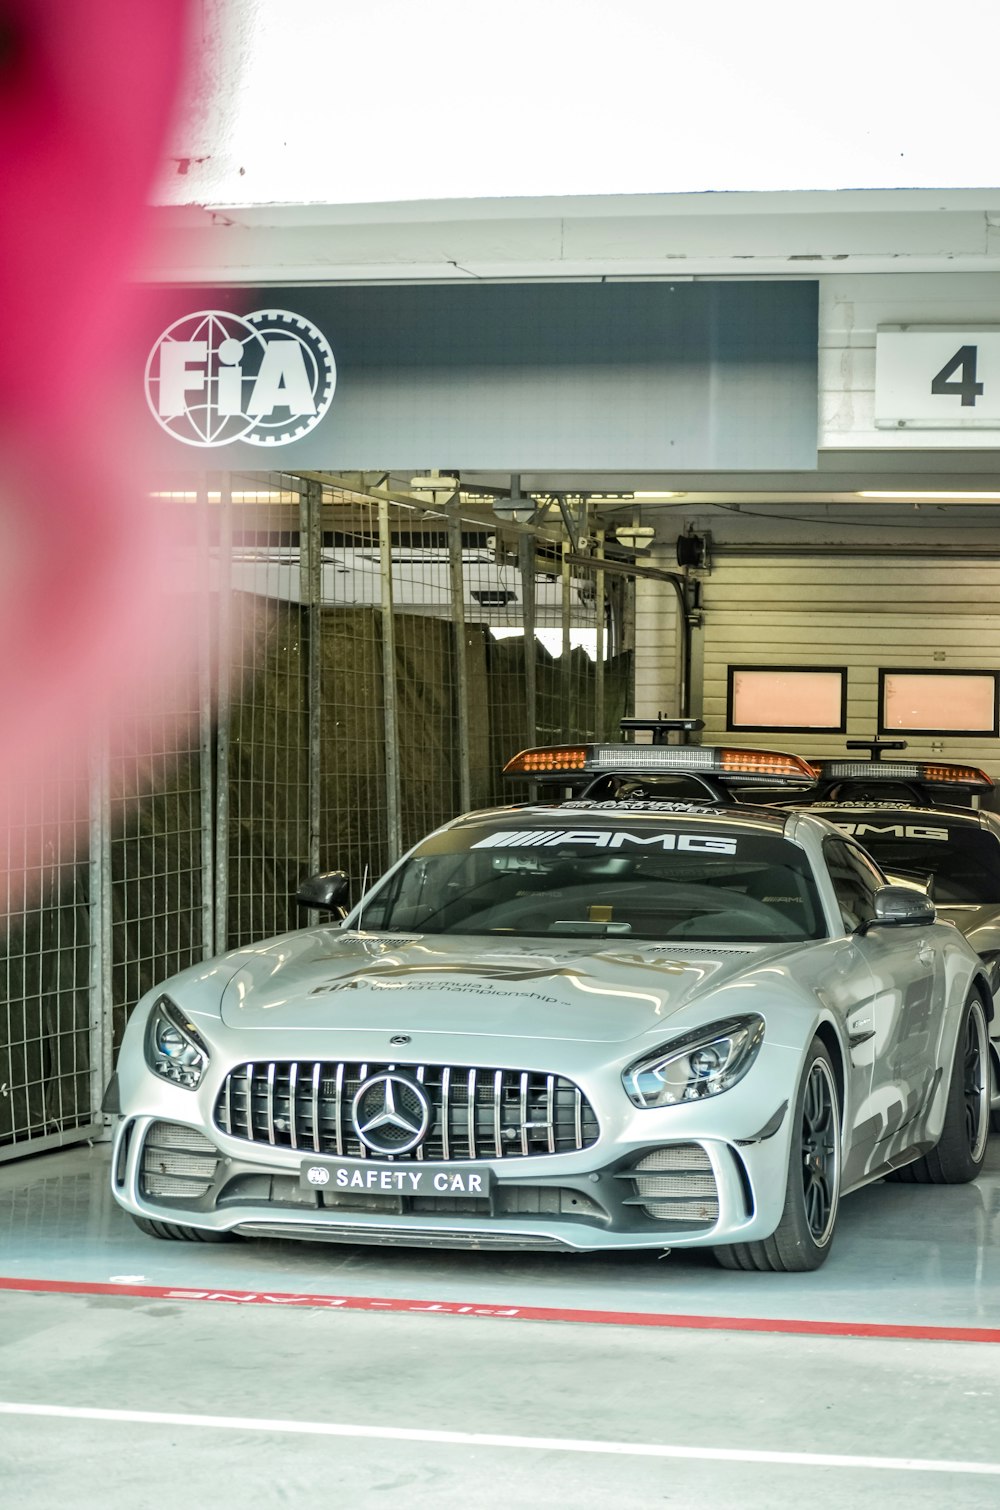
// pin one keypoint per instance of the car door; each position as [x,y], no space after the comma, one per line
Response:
[900,1021]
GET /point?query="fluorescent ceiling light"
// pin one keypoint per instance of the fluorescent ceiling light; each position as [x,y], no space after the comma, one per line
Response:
[656,497]
[434,484]
[918,495]
[190,496]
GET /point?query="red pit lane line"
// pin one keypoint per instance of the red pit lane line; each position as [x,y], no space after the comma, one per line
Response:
[275,1298]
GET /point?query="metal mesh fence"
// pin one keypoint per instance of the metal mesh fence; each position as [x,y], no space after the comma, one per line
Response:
[366,666]
[45,1024]
[152,853]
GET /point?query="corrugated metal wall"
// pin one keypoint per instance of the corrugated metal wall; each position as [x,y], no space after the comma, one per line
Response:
[657,648]
[862,611]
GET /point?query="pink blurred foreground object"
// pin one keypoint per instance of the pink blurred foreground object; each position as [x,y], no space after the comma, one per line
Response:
[87,91]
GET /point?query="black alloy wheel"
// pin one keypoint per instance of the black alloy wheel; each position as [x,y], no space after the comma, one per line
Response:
[803,1236]
[820,1151]
[976,1081]
[961,1149]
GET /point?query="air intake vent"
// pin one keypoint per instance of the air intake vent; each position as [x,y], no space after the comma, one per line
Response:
[177,1161]
[676,1185]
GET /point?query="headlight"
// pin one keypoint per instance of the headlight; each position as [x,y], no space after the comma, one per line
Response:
[703,1063]
[174,1047]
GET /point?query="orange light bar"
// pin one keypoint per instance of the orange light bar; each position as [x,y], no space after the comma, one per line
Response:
[938,772]
[765,763]
[542,762]
[551,762]
[964,775]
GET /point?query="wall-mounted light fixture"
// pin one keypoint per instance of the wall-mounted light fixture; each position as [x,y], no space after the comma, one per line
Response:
[635,537]
[516,508]
[439,486]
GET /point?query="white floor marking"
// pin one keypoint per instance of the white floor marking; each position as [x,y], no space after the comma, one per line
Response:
[492,1439]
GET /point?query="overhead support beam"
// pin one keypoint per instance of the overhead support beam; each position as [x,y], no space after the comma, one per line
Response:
[674,237]
[445,504]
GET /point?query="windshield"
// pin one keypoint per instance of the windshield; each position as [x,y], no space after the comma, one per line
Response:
[624,877]
[957,863]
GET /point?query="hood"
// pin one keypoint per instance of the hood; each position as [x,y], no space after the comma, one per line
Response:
[580,989]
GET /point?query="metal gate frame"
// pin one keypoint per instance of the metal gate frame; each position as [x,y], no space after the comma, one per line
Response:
[551,583]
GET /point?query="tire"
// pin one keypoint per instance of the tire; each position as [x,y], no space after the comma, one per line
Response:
[995,1067]
[803,1236]
[173,1232]
[961,1149]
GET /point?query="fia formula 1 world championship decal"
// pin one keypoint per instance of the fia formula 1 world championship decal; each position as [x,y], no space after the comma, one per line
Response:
[265,378]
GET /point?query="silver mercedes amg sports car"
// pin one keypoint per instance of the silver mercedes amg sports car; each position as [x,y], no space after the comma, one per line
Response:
[601,1023]
[952,853]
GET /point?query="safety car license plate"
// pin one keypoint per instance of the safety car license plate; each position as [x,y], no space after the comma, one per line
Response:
[472,1181]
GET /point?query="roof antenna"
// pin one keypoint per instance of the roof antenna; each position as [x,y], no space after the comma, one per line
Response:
[662,727]
[876,747]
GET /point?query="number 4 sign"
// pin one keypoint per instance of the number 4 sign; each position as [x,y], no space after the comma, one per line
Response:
[932,378]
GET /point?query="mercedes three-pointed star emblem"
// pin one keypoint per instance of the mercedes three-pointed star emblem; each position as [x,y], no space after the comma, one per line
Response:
[391,1113]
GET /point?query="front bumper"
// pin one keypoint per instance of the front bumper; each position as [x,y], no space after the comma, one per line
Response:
[687,1188]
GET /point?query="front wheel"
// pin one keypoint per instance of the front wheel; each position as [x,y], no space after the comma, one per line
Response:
[961,1149]
[803,1236]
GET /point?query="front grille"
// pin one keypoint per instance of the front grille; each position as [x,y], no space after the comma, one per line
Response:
[177,1161]
[476,1113]
[676,1184]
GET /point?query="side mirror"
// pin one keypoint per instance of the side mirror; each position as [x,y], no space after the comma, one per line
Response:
[899,905]
[327,892]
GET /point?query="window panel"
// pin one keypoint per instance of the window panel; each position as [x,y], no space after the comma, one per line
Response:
[938,702]
[796,699]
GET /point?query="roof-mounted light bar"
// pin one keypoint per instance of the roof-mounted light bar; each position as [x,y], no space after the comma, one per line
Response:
[564,762]
[935,773]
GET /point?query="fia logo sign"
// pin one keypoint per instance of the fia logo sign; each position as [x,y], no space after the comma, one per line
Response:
[266,378]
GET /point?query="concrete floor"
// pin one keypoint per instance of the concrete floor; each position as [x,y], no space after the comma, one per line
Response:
[235,1405]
